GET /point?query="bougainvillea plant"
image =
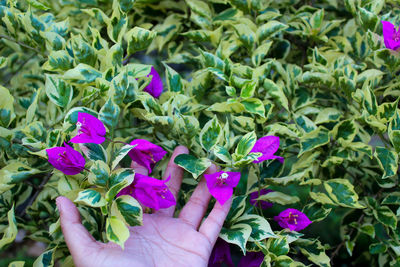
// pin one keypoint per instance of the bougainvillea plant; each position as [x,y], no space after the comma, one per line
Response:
[295,101]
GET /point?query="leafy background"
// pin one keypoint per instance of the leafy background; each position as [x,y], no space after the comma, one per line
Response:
[314,73]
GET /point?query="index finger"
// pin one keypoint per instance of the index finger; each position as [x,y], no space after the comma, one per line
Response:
[176,173]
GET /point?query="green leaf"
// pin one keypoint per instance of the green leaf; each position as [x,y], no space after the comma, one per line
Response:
[237,208]
[16,172]
[345,131]
[94,151]
[211,134]
[314,139]
[200,8]
[116,26]
[6,107]
[277,93]
[139,39]
[270,28]
[109,114]
[119,87]
[368,229]
[259,225]
[254,105]
[377,248]
[222,153]
[388,161]
[245,35]
[280,198]
[341,191]
[126,5]
[368,19]
[314,251]
[237,234]
[82,51]
[16,264]
[38,5]
[386,216]
[235,107]
[99,173]
[46,259]
[212,61]
[192,164]
[174,80]
[278,246]
[138,70]
[119,179]
[392,199]
[116,231]
[10,232]
[82,74]
[316,212]
[121,154]
[305,123]
[260,53]
[91,197]
[130,210]
[59,60]
[248,89]
[246,144]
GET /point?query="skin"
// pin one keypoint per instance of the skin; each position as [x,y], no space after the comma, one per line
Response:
[162,240]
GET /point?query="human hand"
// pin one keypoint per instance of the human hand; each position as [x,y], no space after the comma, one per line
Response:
[162,240]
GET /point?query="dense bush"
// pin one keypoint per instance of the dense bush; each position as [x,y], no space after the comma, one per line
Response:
[315,73]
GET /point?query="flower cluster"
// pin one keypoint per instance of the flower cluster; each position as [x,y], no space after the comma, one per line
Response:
[221,184]
[150,192]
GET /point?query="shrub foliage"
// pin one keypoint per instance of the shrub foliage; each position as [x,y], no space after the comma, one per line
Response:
[314,73]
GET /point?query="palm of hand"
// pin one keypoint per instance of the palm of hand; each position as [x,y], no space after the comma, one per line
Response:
[162,240]
[161,237]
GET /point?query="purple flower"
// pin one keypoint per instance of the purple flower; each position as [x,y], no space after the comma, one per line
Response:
[155,87]
[150,192]
[391,36]
[220,254]
[252,259]
[267,145]
[221,184]
[293,219]
[146,153]
[90,129]
[66,159]
[260,203]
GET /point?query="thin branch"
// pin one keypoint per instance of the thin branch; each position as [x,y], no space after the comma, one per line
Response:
[344,241]
[19,69]
[17,141]
[37,192]
[20,43]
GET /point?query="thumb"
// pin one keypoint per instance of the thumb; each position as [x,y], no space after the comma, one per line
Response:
[78,239]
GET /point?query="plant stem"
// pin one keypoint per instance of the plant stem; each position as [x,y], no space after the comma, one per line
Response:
[20,43]
[39,189]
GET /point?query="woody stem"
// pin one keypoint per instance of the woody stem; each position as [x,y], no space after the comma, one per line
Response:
[112,141]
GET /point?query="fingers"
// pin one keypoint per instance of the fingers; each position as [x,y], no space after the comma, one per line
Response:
[139,168]
[213,223]
[193,212]
[76,236]
[176,173]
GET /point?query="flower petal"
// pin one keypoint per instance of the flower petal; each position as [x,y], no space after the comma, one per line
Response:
[155,87]
[233,179]
[146,153]
[293,219]
[75,161]
[92,129]
[388,31]
[267,145]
